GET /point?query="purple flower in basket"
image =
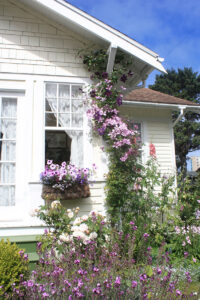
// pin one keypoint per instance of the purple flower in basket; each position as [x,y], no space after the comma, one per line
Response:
[65,175]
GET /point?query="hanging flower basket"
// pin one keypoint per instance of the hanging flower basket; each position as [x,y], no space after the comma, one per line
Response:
[76,191]
[65,182]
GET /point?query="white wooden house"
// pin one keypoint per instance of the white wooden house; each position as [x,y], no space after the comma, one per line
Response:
[40,76]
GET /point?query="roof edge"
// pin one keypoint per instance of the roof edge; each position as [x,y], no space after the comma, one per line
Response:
[161,105]
[101,23]
[87,23]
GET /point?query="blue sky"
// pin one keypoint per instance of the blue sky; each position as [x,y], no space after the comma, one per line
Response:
[169,27]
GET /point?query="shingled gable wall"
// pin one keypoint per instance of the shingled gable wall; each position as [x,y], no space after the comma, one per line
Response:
[31,45]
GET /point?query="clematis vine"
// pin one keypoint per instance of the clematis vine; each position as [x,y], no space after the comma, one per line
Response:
[105,114]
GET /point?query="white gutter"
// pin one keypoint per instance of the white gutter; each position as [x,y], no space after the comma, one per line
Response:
[182,111]
[162,105]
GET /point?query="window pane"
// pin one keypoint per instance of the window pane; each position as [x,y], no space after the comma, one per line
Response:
[7,173]
[51,90]
[7,195]
[77,105]
[50,120]
[57,146]
[8,129]
[64,91]
[77,92]
[47,106]
[51,105]
[9,108]
[64,105]
[64,120]
[138,128]
[7,150]
[77,120]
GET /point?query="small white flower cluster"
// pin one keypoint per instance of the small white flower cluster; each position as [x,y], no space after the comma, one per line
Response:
[189,229]
[80,230]
[55,204]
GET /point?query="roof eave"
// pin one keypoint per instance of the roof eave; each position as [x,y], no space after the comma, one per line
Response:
[161,105]
[76,17]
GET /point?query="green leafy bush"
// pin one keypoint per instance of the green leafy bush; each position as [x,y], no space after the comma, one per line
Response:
[13,265]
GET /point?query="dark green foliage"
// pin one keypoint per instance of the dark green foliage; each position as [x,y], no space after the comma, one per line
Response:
[57,219]
[13,263]
[119,186]
[188,196]
[96,61]
[184,84]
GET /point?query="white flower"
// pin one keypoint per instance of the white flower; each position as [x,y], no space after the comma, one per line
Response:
[65,238]
[75,228]
[84,218]
[83,227]
[55,204]
[85,242]
[70,214]
[107,238]
[80,234]
[93,235]
[77,221]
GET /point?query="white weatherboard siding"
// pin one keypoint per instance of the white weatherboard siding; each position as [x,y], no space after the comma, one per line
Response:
[156,129]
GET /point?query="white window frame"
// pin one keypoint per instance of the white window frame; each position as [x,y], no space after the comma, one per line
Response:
[84,129]
[10,184]
[143,138]
[16,212]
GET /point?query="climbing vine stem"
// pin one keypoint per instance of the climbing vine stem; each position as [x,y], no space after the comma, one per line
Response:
[106,96]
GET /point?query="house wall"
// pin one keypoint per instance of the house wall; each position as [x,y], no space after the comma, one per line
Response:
[33,50]
[31,44]
[157,129]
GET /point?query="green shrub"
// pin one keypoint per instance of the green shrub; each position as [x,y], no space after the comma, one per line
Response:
[13,264]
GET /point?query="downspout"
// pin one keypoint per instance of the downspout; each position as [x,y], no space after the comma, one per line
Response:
[182,112]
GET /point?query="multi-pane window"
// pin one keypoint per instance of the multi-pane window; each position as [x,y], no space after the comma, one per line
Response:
[64,123]
[8,122]
[137,126]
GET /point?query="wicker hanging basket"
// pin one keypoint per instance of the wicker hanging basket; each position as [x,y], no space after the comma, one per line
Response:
[75,192]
